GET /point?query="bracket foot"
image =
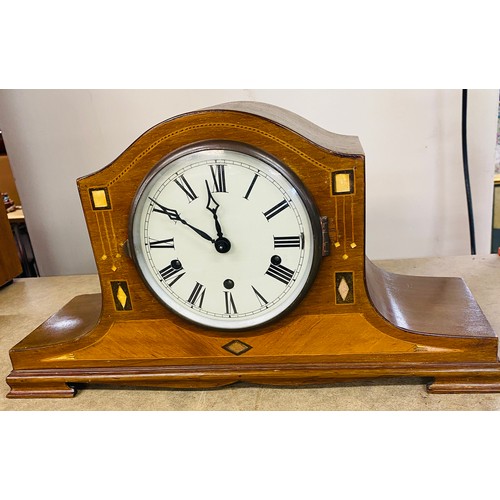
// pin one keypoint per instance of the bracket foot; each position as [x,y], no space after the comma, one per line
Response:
[21,387]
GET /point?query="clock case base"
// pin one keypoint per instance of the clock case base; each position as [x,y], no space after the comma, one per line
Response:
[439,378]
[356,322]
[459,374]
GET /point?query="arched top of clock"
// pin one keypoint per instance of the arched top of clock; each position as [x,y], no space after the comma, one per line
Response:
[161,134]
[345,145]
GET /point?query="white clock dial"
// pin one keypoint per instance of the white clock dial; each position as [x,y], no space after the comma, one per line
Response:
[225,236]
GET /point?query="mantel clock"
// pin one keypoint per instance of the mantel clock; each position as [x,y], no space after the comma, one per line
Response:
[230,246]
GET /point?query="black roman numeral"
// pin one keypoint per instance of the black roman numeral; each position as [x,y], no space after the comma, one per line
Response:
[289,241]
[219,178]
[230,306]
[171,272]
[260,298]
[184,185]
[276,209]
[168,243]
[281,273]
[252,184]
[197,295]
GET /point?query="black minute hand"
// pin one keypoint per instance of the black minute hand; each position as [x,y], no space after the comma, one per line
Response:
[174,215]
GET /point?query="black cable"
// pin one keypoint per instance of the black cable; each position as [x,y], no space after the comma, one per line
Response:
[466,174]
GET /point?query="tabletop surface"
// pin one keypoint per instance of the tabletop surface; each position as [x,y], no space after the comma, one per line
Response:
[27,302]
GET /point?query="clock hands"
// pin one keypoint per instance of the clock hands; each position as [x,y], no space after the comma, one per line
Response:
[222,245]
[211,199]
[174,215]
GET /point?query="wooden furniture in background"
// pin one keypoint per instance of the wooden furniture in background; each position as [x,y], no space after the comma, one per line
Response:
[23,242]
[10,265]
[356,321]
[7,181]
[16,217]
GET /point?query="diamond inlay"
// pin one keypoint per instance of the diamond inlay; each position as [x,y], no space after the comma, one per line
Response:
[121,296]
[343,289]
[237,347]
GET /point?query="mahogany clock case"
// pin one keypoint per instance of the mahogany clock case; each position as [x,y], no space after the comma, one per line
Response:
[355,321]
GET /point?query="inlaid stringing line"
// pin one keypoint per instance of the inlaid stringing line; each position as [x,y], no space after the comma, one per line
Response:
[204,125]
[107,235]
[353,240]
[108,239]
[344,228]
[115,241]
[103,256]
[337,242]
[113,267]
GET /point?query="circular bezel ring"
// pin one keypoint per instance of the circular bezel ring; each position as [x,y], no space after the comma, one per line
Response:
[270,160]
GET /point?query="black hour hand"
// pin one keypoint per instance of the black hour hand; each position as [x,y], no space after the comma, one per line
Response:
[213,206]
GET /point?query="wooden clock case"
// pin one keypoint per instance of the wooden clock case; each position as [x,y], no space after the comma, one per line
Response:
[356,321]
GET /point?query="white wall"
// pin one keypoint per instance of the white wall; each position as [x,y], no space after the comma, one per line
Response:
[412,140]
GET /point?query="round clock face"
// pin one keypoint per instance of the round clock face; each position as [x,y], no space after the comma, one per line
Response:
[225,235]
